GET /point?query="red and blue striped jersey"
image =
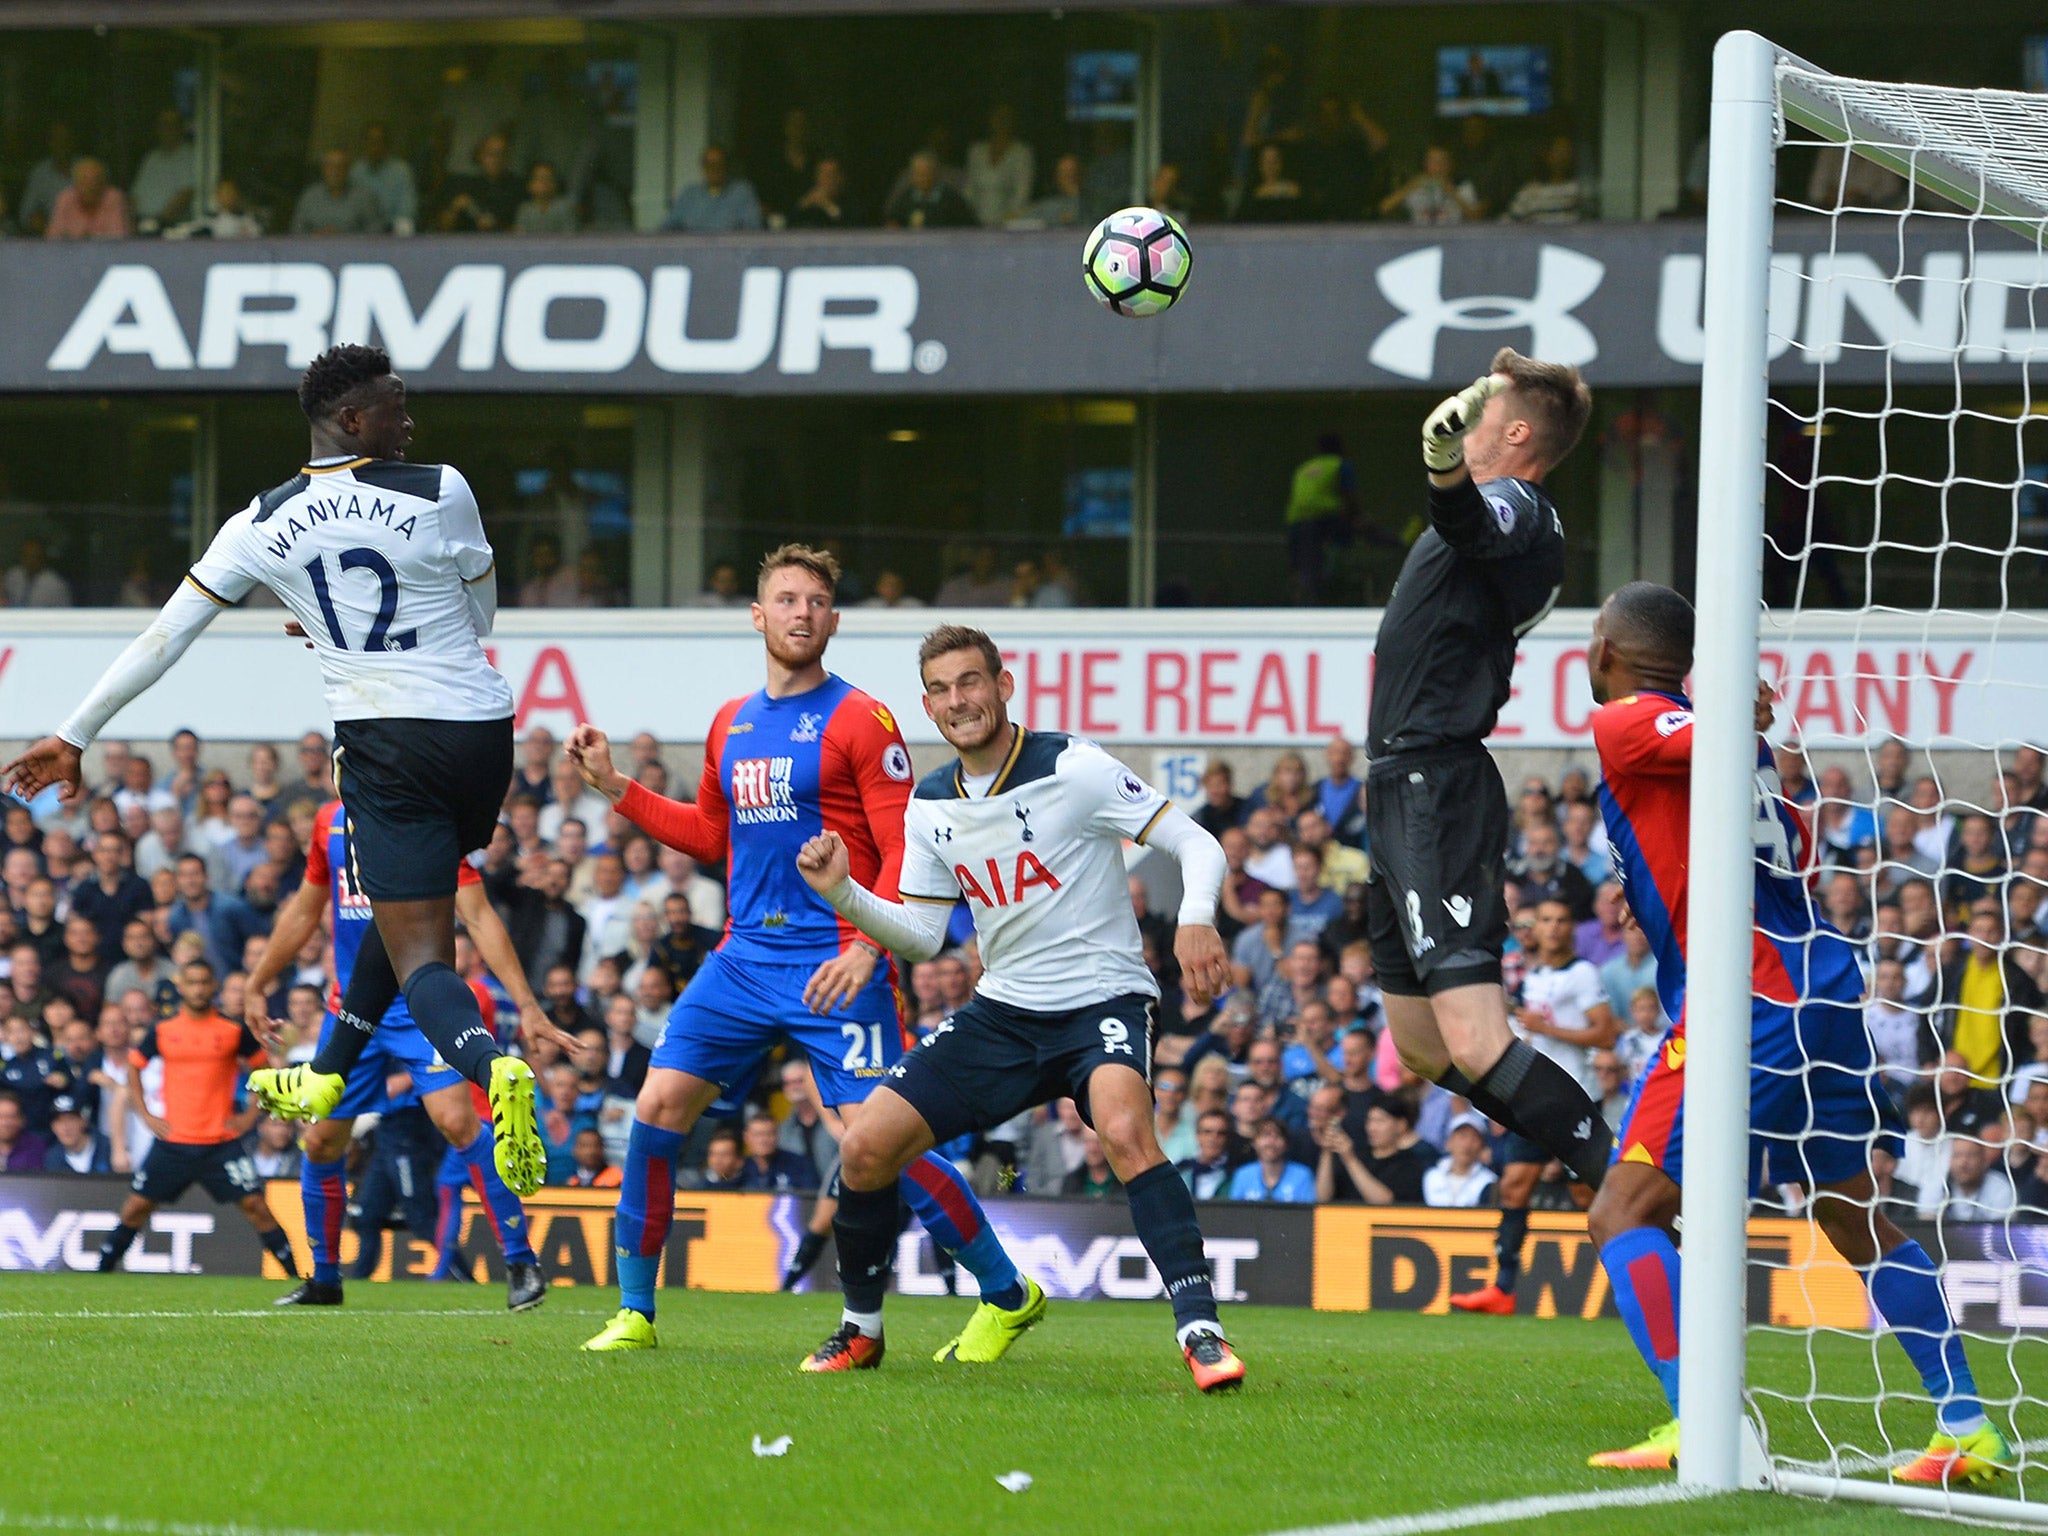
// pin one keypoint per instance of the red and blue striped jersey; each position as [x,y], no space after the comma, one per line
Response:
[777,772]
[1645,746]
[331,861]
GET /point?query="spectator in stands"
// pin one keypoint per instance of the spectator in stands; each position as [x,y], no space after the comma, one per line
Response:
[1974,1188]
[1340,796]
[1612,1080]
[570,799]
[792,169]
[591,1170]
[1208,1172]
[387,178]
[333,205]
[226,217]
[1339,158]
[1977,863]
[769,1167]
[724,1163]
[486,201]
[1843,898]
[824,205]
[979,585]
[1558,194]
[1269,859]
[30,583]
[1221,808]
[1461,1178]
[47,179]
[80,973]
[1313,906]
[113,896]
[1271,1175]
[1061,207]
[532,776]
[1604,935]
[1275,197]
[1585,842]
[244,851]
[718,204]
[926,200]
[22,1150]
[1643,1032]
[1094,1179]
[1000,170]
[77,1147]
[89,209]
[1054,1150]
[1899,1033]
[142,967]
[1541,872]
[1285,791]
[1435,194]
[1256,953]
[1339,866]
[545,211]
[161,193]
[1988,1003]
[1169,193]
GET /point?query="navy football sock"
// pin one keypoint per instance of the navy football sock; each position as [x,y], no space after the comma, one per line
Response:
[372,987]
[116,1247]
[865,1230]
[1552,1110]
[447,1014]
[279,1247]
[1164,1213]
[1507,1249]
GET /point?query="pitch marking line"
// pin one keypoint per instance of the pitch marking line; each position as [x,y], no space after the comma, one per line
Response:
[1504,1513]
[117,1525]
[94,1316]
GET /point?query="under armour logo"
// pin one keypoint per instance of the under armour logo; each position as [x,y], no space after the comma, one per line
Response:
[1024,815]
[1460,908]
[1413,284]
[942,834]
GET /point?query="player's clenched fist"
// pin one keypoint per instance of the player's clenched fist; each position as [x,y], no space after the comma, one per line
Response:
[1204,962]
[822,862]
[591,751]
[1443,434]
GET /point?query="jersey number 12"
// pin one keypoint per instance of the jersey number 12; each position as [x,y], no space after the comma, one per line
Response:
[380,637]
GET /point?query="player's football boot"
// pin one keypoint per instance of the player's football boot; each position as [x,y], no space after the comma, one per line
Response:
[311,1293]
[1490,1299]
[991,1330]
[847,1350]
[1658,1453]
[526,1287]
[297,1093]
[1214,1363]
[629,1330]
[1960,1461]
[521,1158]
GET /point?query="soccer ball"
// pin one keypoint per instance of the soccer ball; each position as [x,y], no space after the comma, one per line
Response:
[1136,261]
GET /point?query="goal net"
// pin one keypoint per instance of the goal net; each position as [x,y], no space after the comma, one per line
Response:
[1874,484]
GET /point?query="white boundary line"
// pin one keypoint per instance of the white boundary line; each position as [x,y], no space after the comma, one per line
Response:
[1505,1512]
[94,1316]
[119,1525]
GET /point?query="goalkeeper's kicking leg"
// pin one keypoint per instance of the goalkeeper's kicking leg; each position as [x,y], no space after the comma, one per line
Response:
[1632,1222]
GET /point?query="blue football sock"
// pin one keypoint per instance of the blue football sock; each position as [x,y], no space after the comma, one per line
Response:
[1906,1290]
[508,1216]
[947,1207]
[647,1204]
[324,1192]
[448,1263]
[1642,1266]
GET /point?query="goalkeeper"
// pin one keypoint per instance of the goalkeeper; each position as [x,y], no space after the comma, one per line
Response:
[1486,570]
[1816,1109]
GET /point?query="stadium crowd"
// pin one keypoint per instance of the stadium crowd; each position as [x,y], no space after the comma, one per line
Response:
[1288,1088]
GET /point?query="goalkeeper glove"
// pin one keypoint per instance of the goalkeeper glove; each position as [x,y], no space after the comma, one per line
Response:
[1443,434]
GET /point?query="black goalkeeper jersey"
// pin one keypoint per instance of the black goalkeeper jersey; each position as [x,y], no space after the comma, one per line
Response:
[1486,570]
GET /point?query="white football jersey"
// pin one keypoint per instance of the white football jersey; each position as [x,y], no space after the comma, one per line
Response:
[1565,993]
[373,558]
[1040,861]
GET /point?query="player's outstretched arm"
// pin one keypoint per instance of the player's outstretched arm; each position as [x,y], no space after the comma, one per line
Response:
[55,759]
[1205,970]
[911,930]
[698,830]
[297,920]
[487,932]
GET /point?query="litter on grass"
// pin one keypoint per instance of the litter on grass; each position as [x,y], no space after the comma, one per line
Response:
[779,1446]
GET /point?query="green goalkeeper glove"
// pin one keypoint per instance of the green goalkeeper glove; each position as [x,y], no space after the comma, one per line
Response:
[1443,434]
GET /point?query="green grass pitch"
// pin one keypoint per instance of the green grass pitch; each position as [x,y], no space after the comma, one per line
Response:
[157,1405]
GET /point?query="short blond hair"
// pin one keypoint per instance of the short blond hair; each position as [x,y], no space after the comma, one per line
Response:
[1554,399]
[819,562]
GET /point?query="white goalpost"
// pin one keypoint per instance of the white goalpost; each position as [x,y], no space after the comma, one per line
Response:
[1871,532]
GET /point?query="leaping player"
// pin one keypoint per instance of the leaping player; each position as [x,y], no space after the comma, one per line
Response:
[1815,1107]
[397,1045]
[807,754]
[1029,827]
